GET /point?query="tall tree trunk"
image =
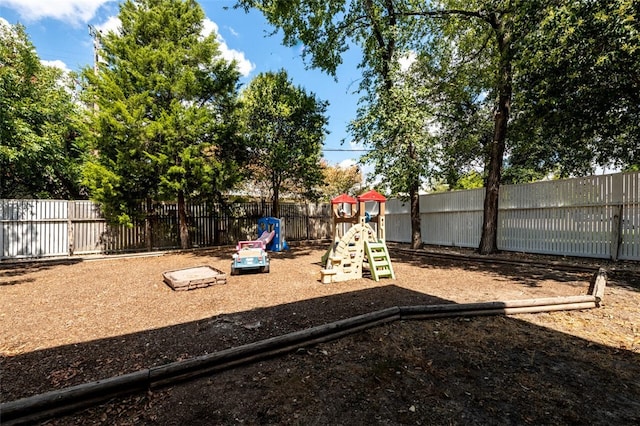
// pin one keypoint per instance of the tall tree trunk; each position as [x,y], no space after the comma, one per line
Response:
[414,197]
[489,238]
[416,235]
[183,224]
[148,225]
[276,201]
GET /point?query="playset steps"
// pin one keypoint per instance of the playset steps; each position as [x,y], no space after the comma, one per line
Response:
[379,261]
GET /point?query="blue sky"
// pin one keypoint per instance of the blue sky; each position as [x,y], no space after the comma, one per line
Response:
[59,31]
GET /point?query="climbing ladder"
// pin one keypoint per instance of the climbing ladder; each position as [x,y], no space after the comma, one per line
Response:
[379,261]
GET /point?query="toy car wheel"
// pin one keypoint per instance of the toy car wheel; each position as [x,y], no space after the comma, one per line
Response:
[234,271]
[265,269]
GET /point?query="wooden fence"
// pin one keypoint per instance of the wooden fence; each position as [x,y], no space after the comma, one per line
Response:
[597,216]
[41,228]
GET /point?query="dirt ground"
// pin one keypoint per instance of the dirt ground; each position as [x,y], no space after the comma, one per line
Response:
[67,323]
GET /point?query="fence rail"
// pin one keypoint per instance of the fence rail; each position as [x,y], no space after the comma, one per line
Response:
[597,216]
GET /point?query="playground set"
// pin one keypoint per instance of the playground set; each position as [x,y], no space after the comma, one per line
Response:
[252,255]
[356,240]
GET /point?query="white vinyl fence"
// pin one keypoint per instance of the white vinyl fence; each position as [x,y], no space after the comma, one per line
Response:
[38,228]
[597,216]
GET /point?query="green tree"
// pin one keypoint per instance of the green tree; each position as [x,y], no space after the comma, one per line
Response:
[384,28]
[579,96]
[395,123]
[381,30]
[165,118]
[40,153]
[285,127]
[483,32]
[340,180]
[486,49]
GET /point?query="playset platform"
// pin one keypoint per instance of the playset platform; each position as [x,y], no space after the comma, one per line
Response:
[360,244]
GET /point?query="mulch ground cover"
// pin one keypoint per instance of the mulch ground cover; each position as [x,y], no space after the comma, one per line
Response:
[71,322]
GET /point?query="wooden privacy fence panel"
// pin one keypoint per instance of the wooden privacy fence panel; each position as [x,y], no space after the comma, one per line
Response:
[87,227]
[41,228]
[319,217]
[226,225]
[630,217]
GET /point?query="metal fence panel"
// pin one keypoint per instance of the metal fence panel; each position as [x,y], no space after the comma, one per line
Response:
[570,231]
[596,216]
[398,221]
[34,228]
[571,217]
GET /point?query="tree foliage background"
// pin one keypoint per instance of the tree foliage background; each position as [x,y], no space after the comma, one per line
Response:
[165,119]
[284,127]
[515,86]
[578,103]
[466,91]
[341,180]
[40,147]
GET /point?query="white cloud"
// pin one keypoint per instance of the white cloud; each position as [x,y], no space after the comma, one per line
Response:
[112,24]
[355,146]
[74,12]
[209,27]
[57,64]
[244,65]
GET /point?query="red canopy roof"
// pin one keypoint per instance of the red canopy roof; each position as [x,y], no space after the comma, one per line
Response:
[372,195]
[344,198]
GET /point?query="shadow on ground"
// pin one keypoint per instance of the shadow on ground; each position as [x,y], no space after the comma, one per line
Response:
[484,370]
[526,274]
[10,272]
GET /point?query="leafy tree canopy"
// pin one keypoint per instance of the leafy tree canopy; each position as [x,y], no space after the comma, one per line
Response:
[579,96]
[40,154]
[396,125]
[340,180]
[285,127]
[165,114]
[505,78]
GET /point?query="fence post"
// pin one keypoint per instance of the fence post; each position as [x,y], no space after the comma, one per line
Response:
[616,234]
[70,232]
[617,184]
[148,226]
[308,219]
